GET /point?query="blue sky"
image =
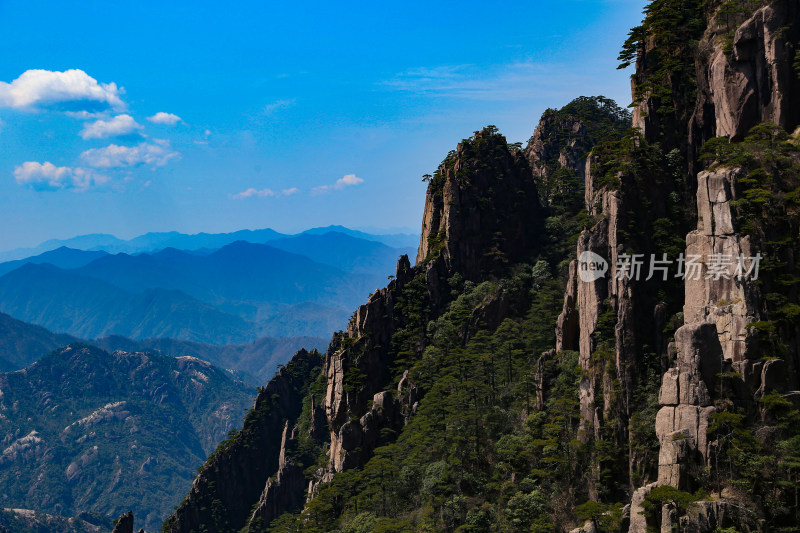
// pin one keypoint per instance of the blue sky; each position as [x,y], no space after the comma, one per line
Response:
[208,116]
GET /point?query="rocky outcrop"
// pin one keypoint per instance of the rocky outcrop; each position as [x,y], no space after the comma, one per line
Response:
[124,523]
[284,492]
[718,295]
[745,74]
[481,213]
[564,137]
[357,366]
[611,317]
[558,142]
[685,396]
[481,209]
[234,478]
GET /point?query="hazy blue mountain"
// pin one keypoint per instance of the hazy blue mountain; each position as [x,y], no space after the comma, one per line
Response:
[152,242]
[21,343]
[240,277]
[305,319]
[86,307]
[398,240]
[61,257]
[345,252]
[155,241]
[97,241]
[86,430]
[296,286]
[255,363]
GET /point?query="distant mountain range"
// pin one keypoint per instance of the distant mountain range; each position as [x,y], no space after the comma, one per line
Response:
[60,257]
[293,286]
[30,521]
[21,344]
[61,300]
[151,242]
[253,363]
[121,431]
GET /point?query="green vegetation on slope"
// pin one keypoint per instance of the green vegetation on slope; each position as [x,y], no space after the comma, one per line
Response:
[494,437]
[121,431]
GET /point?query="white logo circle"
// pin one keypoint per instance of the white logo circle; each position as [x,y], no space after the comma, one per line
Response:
[591,267]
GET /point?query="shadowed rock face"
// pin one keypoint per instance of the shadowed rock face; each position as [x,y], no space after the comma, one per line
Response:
[481,212]
[481,209]
[547,144]
[236,475]
[124,524]
[283,492]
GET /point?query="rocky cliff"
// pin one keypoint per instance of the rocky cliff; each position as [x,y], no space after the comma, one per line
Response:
[481,214]
[481,209]
[232,480]
[740,74]
[564,137]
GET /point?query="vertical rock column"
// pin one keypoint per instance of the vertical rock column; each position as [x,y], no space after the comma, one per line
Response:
[715,339]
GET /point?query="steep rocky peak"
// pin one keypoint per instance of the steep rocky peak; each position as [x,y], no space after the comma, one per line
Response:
[481,208]
[558,140]
[564,137]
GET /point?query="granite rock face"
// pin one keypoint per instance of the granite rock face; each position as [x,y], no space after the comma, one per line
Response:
[283,492]
[557,142]
[481,209]
[739,87]
[723,299]
[751,84]
[357,369]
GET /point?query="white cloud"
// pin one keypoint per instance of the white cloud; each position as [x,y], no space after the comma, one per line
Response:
[345,181]
[161,117]
[119,125]
[113,156]
[251,193]
[48,177]
[71,90]
[263,193]
[276,105]
[86,115]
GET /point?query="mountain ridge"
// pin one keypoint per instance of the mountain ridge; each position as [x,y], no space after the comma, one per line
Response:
[123,430]
[150,242]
